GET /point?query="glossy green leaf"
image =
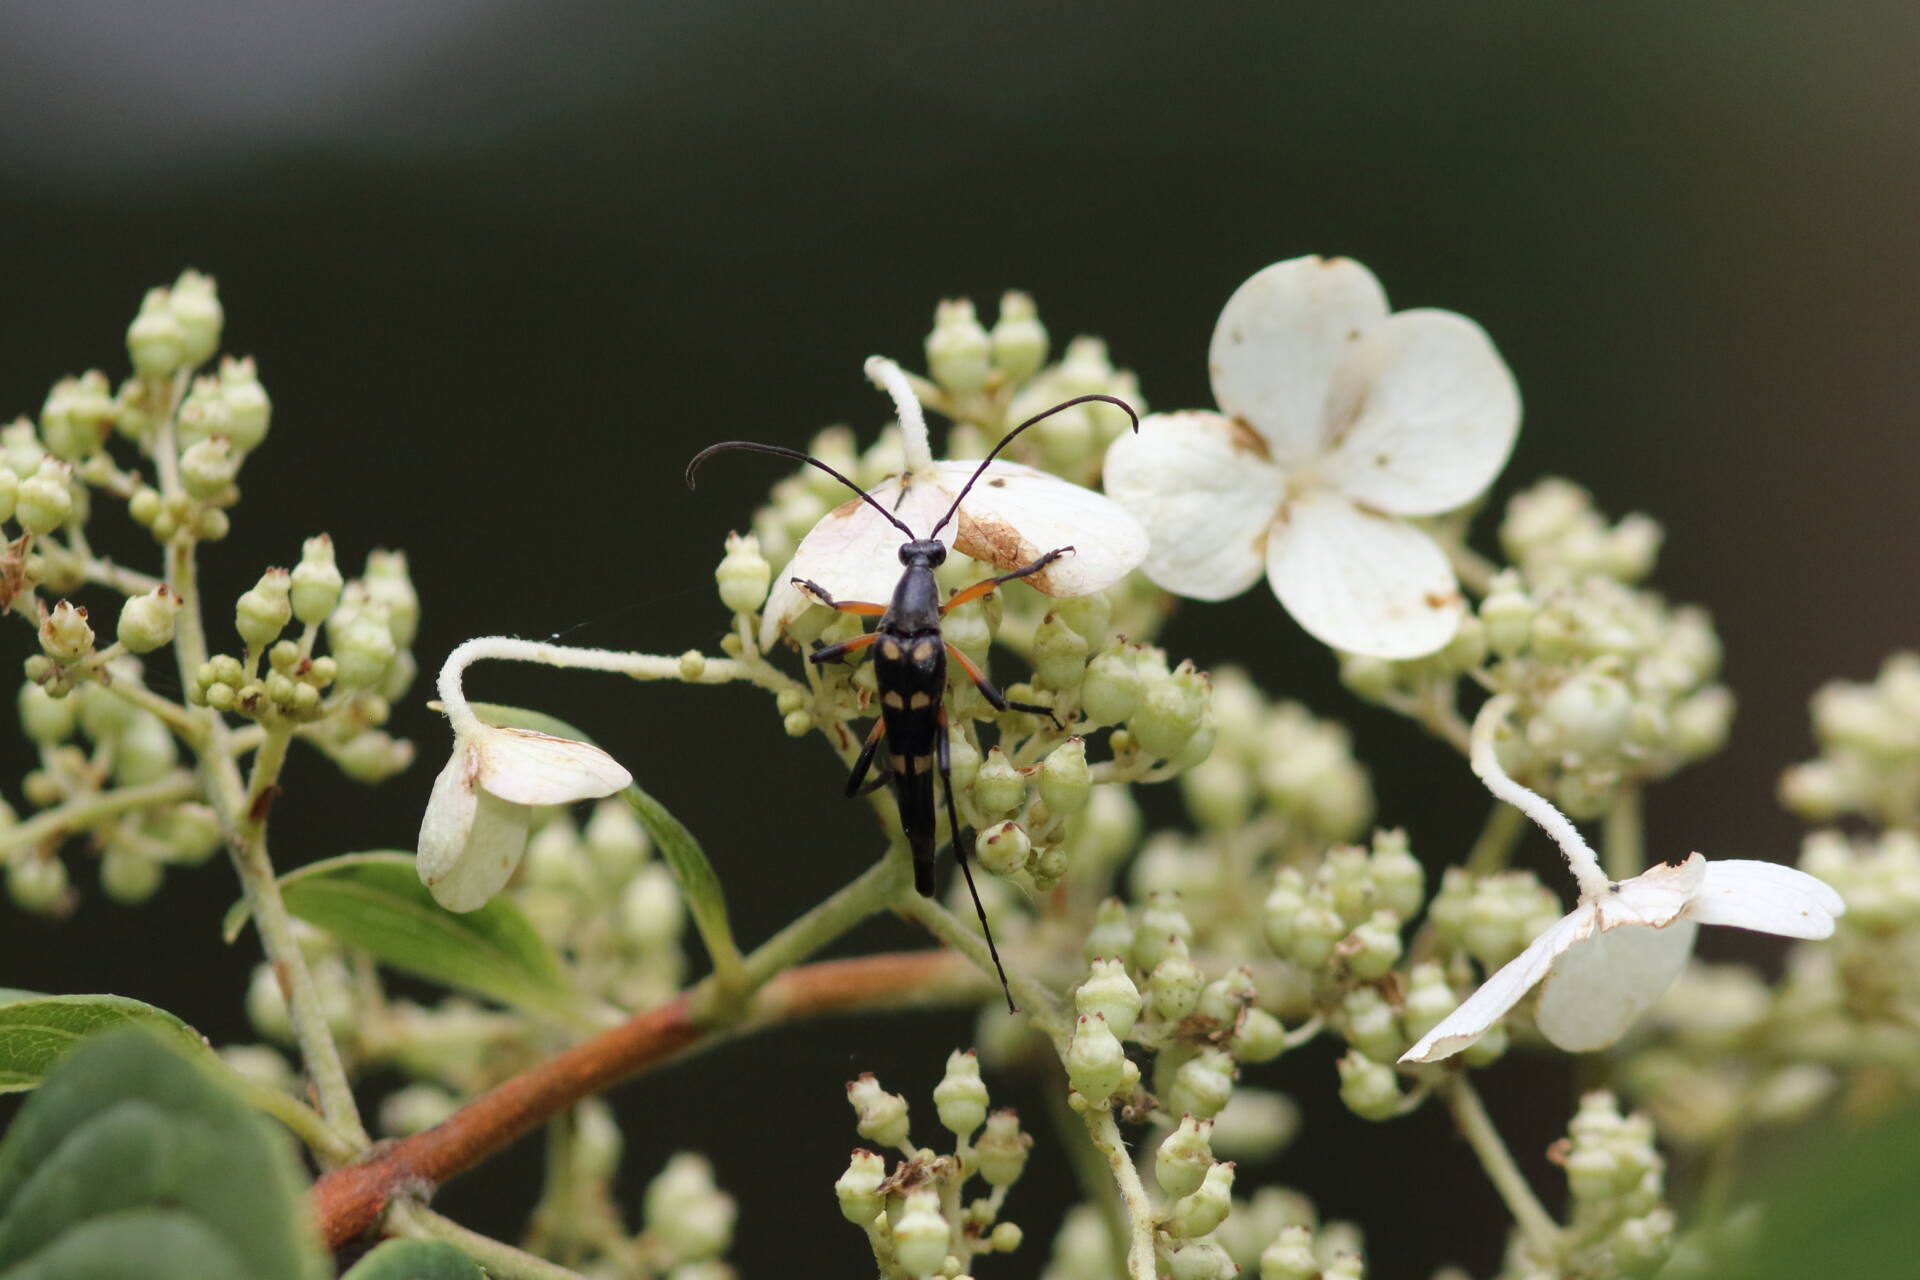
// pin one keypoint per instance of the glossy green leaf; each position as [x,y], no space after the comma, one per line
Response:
[376,901]
[134,1163]
[682,853]
[37,1030]
[415,1260]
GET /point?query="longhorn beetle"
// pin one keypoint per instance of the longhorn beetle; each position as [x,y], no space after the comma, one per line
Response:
[910,666]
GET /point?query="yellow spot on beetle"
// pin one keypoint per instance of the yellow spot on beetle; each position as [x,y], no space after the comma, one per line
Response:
[891,648]
[899,763]
[892,699]
[919,700]
[924,651]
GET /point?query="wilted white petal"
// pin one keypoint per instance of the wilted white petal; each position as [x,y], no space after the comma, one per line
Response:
[1503,990]
[1768,897]
[525,767]
[470,841]
[1654,897]
[449,817]
[1203,487]
[854,553]
[1361,582]
[1278,342]
[1598,986]
[1014,515]
[1436,417]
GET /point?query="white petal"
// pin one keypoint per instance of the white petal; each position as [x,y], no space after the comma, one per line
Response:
[1653,898]
[1280,339]
[1766,896]
[1014,515]
[854,553]
[524,767]
[494,845]
[449,817]
[1601,984]
[1203,487]
[1436,416]
[1502,991]
[1362,582]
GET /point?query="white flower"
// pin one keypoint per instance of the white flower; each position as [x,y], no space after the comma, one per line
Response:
[1606,961]
[1337,422]
[1010,518]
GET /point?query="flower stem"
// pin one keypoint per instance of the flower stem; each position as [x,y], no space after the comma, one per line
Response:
[321,1138]
[1485,758]
[500,1260]
[1536,1225]
[84,810]
[1623,839]
[1042,1006]
[1494,848]
[1105,1133]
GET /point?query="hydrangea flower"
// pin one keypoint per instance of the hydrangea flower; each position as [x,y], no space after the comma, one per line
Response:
[1606,961]
[1337,422]
[1010,518]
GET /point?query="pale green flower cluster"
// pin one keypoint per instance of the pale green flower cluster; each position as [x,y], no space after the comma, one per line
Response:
[1869,761]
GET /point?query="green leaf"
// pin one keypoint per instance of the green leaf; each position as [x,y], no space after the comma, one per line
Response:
[37,1030]
[678,848]
[376,901]
[415,1260]
[134,1163]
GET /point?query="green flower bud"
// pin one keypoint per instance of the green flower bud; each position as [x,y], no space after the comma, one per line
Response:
[1207,1207]
[1399,881]
[1006,1237]
[1260,1037]
[1347,877]
[1488,1049]
[38,884]
[10,493]
[1290,1256]
[1373,947]
[1002,1150]
[998,788]
[959,353]
[415,1109]
[195,308]
[1344,1266]
[1202,1260]
[267,1006]
[145,505]
[1109,992]
[261,614]
[363,648]
[371,756]
[248,410]
[129,878]
[1003,849]
[1223,1000]
[1112,933]
[191,833]
[961,1097]
[797,724]
[222,696]
[1171,712]
[45,499]
[1219,793]
[1368,679]
[146,622]
[921,1235]
[1059,654]
[1203,1085]
[1369,1024]
[1097,1065]
[1066,782]
[45,719]
[859,1188]
[1282,908]
[1111,689]
[883,1115]
[1367,1087]
[64,633]
[616,839]
[1163,927]
[1181,1161]
[1317,931]
[1173,988]
[1019,339]
[963,759]
[1106,831]
[652,913]
[1701,722]
[1590,713]
[389,584]
[744,575]
[156,340]
[1495,926]
[145,752]
[1090,616]
[77,415]
[315,583]
[1428,1000]
[211,526]
[207,469]
[1507,615]
[685,1211]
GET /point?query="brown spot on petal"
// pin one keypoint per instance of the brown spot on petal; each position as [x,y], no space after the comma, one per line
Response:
[1442,599]
[995,542]
[1245,439]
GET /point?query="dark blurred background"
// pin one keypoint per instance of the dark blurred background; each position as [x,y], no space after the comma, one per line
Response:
[506,266]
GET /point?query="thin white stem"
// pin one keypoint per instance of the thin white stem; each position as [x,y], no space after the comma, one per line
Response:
[1581,859]
[640,666]
[890,378]
[1133,1193]
[1536,1225]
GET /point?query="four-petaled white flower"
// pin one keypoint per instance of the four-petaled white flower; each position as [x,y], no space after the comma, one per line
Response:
[1010,518]
[1606,961]
[1338,421]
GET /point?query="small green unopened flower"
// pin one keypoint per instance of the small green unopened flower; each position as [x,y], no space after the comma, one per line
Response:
[248,410]
[1066,782]
[959,352]
[415,1108]
[1171,712]
[144,752]
[194,304]
[1059,654]
[1317,931]
[1002,1150]
[38,884]
[1019,339]
[315,583]
[1111,689]
[363,647]
[998,788]
[1399,881]
[146,621]
[1097,1065]
[961,1097]
[129,877]
[1108,991]
[1202,1260]
[1369,1088]
[1181,1161]
[1160,923]
[883,1115]
[1003,848]
[45,498]
[45,719]
[1291,1255]
[156,340]
[10,493]
[921,1235]
[1206,1207]
[389,587]
[858,1189]
[1173,988]
[475,828]
[743,575]
[686,1212]
[1203,1085]
[1588,715]
[77,415]
[262,613]
[1224,999]
[65,635]
[1112,932]
[652,912]
[1373,947]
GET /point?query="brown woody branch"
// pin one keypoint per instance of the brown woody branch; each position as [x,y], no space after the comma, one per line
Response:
[349,1201]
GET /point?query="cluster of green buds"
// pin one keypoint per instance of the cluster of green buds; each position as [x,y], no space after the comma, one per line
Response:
[1869,761]
[606,904]
[688,1223]
[915,1215]
[1618,1227]
[1276,1234]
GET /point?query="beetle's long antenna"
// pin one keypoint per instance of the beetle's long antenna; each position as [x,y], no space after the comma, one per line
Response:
[797,456]
[1007,438]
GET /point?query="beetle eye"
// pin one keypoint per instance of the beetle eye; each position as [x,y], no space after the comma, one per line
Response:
[938,554]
